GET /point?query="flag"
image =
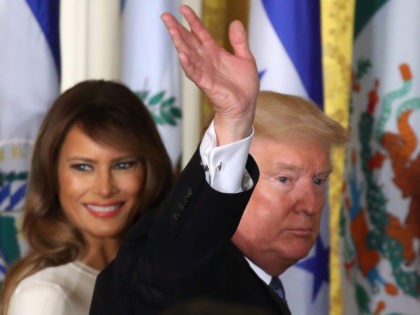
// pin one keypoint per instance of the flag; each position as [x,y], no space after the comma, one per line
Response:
[29,82]
[380,217]
[285,38]
[150,67]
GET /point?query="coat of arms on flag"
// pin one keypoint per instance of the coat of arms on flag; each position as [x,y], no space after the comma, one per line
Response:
[379,255]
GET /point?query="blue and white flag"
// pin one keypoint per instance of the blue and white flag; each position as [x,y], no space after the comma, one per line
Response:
[29,82]
[285,38]
[150,66]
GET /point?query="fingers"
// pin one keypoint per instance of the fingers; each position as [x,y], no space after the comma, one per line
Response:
[174,28]
[193,46]
[184,40]
[239,40]
[198,34]
[169,20]
[178,34]
[197,27]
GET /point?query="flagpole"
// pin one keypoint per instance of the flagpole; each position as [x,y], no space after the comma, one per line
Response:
[191,105]
[72,42]
[90,37]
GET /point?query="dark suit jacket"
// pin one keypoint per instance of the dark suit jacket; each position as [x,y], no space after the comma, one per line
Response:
[183,251]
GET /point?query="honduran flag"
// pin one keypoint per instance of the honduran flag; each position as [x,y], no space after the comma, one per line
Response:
[151,69]
[285,38]
[29,82]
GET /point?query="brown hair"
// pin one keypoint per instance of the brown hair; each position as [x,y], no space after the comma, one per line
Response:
[109,113]
[284,117]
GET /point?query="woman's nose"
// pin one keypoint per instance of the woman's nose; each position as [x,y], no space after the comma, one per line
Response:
[105,185]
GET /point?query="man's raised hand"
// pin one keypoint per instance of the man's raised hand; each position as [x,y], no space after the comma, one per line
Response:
[230,81]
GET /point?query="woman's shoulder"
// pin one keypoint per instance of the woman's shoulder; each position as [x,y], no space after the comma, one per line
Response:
[36,296]
[55,288]
[64,275]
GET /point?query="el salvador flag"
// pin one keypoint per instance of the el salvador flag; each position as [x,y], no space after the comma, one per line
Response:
[29,64]
[29,83]
[285,38]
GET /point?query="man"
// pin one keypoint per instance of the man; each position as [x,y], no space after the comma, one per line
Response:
[291,145]
[183,251]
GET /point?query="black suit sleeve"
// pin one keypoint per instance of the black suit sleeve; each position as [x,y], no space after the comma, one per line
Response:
[166,251]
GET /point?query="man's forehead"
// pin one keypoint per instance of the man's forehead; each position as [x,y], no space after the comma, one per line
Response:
[313,169]
[300,157]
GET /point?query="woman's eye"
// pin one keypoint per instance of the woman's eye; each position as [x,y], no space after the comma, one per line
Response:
[125,165]
[283,179]
[81,167]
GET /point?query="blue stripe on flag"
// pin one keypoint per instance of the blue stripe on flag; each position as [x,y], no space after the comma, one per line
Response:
[298,25]
[47,14]
[17,197]
[4,192]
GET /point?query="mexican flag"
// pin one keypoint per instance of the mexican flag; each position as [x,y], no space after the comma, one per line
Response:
[151,69]
[380,219]
[29,82]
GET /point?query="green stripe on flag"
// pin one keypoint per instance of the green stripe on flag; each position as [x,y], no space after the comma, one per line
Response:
[364,11]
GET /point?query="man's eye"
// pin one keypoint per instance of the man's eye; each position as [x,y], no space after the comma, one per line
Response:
[319,181]
[283,179]
[81,167]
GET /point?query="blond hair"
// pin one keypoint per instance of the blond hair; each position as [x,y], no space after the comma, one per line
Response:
[287,117]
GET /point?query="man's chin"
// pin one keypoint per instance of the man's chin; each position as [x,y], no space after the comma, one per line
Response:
[297,252]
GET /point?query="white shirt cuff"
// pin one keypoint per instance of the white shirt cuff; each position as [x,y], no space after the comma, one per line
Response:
[225,165]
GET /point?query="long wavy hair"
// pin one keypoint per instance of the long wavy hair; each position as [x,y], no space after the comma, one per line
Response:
[111,114]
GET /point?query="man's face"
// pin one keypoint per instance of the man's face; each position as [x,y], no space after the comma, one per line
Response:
[281,221]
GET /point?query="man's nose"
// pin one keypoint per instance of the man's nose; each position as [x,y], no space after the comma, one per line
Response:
[309,199]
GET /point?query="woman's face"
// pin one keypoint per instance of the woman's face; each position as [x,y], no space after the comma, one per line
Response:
[99,186]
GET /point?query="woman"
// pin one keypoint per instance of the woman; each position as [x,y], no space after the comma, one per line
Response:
[97,165]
